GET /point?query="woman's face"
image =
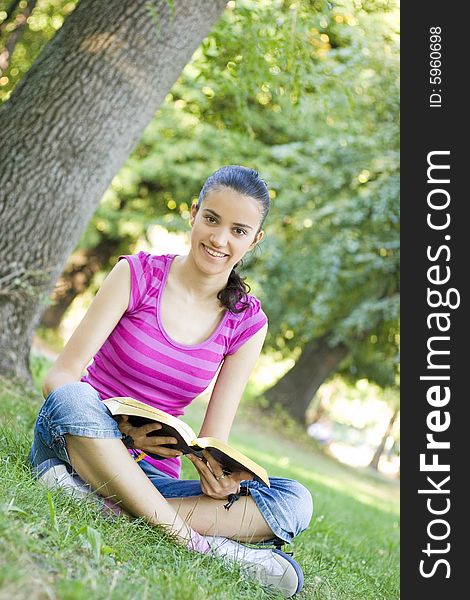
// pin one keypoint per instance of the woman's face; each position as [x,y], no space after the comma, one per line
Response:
[226,223]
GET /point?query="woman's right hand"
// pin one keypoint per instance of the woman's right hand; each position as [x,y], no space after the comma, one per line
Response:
[153,444]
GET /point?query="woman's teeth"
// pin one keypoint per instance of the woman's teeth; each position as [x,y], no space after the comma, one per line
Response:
[213,253]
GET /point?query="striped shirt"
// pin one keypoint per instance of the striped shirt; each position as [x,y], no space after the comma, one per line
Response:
[139,358]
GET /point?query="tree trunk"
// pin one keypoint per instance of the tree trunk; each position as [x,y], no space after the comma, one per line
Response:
[82,266]
[295,390]
[67,129]
[374,463]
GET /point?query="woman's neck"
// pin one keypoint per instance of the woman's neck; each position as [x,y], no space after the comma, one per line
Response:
[197,284]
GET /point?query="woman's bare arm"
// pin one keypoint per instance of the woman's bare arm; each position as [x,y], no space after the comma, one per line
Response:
[104,313]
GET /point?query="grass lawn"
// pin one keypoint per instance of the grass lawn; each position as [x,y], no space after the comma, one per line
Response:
[55,548]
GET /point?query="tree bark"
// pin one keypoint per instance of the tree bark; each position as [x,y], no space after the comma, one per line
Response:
[374,463]
[295,390]
[67,129]
[82,266]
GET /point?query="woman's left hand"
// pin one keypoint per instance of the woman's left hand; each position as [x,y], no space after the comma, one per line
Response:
[214,482]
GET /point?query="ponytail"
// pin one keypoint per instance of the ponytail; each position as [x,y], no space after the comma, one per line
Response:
[234,291]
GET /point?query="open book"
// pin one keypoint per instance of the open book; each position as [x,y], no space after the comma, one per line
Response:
[229,458]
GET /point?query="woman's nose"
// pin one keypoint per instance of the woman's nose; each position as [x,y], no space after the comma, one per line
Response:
[218,240]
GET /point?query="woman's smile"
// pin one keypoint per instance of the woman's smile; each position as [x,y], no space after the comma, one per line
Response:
[214,253]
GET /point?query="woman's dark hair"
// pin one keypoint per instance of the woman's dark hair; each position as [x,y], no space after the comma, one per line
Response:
[248,183]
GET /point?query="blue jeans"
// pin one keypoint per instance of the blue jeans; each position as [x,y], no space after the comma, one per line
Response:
[76,408]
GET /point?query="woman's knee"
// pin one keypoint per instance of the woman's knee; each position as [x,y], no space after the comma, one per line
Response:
[75,390]
[302,501]
[76,408]
[287,505]
[296,502]
[69,399]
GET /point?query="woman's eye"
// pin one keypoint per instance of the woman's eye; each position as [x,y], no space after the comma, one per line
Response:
[212,220]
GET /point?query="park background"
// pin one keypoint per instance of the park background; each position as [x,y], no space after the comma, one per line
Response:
[306,93]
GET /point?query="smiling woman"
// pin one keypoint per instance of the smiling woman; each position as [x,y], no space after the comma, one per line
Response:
[158,330]
[219,234]
[227,222]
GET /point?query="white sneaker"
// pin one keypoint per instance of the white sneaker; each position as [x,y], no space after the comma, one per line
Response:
[272,568]
[59,476]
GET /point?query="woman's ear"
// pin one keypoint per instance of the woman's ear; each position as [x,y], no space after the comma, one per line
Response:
[258,238]
[193,213]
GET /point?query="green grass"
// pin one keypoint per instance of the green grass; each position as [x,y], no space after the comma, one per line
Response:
[53,547]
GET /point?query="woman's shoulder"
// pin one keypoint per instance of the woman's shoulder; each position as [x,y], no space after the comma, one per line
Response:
[248,322]
[143,255]
[147,273]
[254,308]
[148,262]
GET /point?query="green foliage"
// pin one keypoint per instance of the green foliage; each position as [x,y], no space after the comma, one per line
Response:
[331,257]
[46,18]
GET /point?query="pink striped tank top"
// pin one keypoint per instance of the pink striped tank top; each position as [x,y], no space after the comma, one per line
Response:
[140,359]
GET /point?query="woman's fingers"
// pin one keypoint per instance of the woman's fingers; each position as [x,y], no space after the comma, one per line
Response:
[204,471]
[123,424]
[160,440]
[201,466]
[210,485]
[156,444]
[218,470]
[149,427]
[243,475]
[159,450]
[149,443]
[136,432]
[162,451]
[215,466]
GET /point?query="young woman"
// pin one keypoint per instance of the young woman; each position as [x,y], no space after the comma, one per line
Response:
[158,330]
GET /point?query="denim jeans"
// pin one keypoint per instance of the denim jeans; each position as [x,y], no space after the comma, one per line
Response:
[76,408]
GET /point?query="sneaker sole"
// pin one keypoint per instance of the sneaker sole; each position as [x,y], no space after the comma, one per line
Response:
[296,566]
